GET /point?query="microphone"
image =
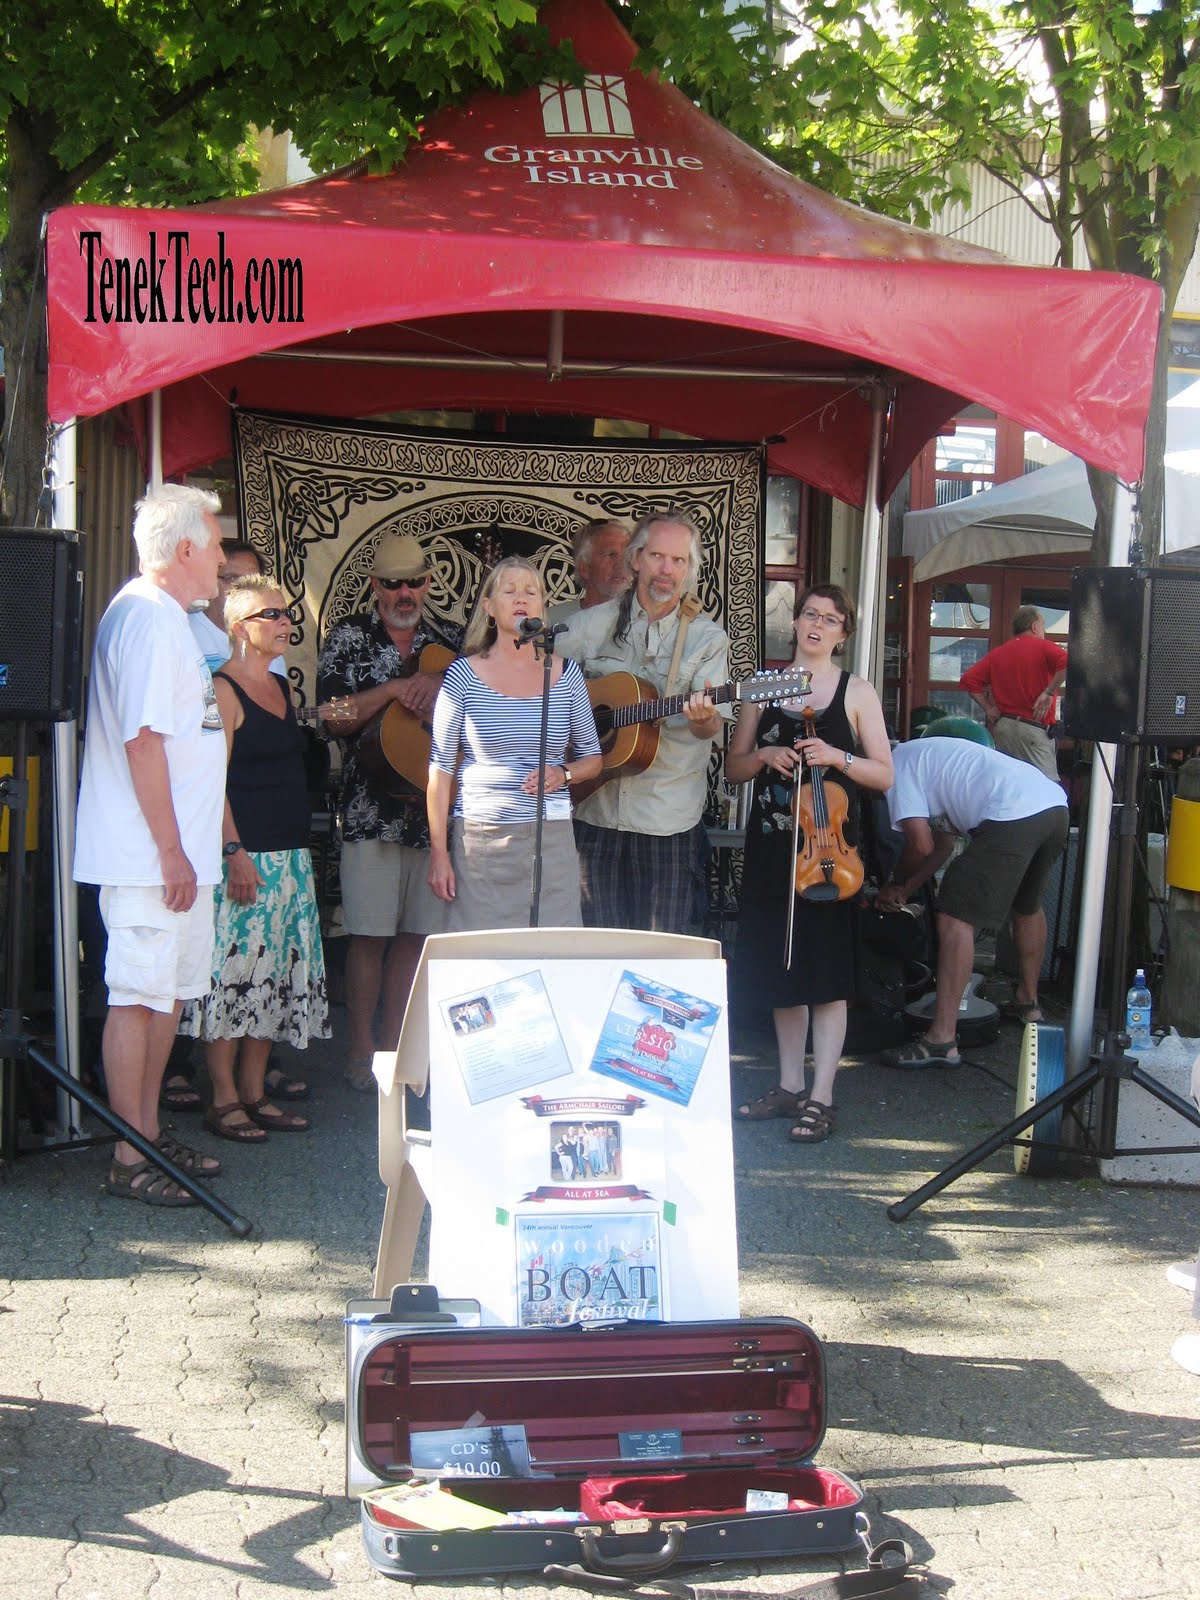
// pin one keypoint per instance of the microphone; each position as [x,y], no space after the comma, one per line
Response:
[530,626]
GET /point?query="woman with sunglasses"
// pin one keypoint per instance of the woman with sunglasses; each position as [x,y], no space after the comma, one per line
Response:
[775,747]
[269,983]
[489,707]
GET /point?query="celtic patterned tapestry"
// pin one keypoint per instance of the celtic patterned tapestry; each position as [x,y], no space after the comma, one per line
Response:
[315,498]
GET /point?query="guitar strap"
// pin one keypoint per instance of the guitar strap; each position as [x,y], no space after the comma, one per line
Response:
[689,607]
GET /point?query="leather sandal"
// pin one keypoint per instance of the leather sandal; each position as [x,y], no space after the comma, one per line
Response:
[275,1118]
[179,1094]
[359,1076]
[204,1166]
[777,1102]
[155,1188]
[1022,1011]
[280,1087]
[815,1124]
[216,1120]
[922,1053]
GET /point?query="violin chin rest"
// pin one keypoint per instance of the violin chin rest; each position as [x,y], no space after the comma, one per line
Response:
[821,891]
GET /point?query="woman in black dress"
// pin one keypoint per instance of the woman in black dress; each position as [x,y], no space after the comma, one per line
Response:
[850,744]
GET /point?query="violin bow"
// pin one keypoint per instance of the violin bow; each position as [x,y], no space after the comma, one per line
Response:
[791,916]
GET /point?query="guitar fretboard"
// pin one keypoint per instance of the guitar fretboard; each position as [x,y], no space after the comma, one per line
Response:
[652,710]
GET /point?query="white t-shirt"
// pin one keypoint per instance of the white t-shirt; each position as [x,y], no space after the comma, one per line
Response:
[148,672]
[958,783]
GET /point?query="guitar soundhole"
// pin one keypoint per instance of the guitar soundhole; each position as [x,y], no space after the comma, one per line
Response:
[604,722]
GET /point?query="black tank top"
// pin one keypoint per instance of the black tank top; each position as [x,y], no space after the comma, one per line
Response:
[265,782]
[771,811]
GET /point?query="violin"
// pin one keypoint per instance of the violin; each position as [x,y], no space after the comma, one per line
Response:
[827,867]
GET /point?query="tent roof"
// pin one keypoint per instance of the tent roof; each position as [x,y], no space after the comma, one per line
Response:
[671,249]
[1051,511]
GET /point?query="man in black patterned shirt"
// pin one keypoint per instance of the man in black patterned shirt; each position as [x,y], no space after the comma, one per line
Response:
[375,659]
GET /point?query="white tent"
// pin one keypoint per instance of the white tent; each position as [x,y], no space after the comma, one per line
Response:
[1051,511]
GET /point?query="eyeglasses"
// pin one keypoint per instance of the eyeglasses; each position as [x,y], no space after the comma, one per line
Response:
[392,584]
[270,614]
[826,619]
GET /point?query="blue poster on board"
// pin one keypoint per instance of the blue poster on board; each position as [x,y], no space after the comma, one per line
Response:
[655,1038]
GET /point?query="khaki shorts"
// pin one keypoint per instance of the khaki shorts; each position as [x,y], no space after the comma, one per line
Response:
[384,890]
[155,956]
[1005,866]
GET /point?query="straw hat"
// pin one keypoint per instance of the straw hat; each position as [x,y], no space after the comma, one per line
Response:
[400,556]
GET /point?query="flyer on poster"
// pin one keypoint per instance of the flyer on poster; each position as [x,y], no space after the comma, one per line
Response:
[623,1191]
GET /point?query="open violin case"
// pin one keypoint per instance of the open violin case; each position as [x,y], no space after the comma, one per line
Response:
[622,1449]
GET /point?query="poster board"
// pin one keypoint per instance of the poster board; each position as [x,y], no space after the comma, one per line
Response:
[582,1162]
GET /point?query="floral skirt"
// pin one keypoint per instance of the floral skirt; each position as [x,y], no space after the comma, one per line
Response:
[269,981]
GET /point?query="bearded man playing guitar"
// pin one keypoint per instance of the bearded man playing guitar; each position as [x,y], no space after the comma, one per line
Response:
[640,838]
[377,659]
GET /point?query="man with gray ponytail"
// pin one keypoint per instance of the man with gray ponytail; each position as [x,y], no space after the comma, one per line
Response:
[148,830]
[640,838]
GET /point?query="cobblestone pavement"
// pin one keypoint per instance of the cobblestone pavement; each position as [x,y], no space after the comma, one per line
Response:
[172,1412]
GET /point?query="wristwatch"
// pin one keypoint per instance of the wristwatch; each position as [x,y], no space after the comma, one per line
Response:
[566,776]
[849,754]
[232,848]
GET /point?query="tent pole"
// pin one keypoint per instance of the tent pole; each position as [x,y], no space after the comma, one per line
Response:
[154,420]
[1094,866]
[872,539]
[65,762]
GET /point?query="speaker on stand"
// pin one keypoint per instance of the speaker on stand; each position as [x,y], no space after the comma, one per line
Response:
[1133,678]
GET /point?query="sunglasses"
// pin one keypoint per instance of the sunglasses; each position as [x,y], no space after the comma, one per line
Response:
[392,584]
[270,614]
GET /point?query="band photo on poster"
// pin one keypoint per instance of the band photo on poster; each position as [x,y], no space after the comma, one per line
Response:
[506,1037]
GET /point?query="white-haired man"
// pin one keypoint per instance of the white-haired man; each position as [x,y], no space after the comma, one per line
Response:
[148,830]
[598,550]
[640,838]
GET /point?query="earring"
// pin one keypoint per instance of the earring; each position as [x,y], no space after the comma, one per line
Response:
[242,645]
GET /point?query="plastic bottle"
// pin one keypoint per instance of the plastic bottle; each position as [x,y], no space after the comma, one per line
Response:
[1137,1013]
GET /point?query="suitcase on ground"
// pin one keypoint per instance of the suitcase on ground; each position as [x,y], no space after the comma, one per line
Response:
[622,1448]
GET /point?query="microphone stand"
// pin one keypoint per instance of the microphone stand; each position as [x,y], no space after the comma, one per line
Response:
[541,635]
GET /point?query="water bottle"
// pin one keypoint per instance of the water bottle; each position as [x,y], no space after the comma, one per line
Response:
[1137,1013]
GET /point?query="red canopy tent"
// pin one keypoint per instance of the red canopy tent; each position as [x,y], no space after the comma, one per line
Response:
[606,251]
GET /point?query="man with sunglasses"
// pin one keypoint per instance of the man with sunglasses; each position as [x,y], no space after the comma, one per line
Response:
[374,658]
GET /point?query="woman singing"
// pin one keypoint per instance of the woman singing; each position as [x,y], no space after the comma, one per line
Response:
[489,707]
[270,968]
[772,746]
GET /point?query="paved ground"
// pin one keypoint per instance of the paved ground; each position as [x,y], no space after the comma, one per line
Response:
[172,1398]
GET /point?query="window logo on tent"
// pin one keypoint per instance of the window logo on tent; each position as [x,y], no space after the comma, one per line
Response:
[599,106]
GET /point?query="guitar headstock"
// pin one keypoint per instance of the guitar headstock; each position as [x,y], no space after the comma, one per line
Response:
[335,713]
[769,688]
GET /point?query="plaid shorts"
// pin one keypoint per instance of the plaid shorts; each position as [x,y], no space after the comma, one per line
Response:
[641,880]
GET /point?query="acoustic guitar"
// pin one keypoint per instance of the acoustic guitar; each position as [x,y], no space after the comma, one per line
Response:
[626,709]
[393,748]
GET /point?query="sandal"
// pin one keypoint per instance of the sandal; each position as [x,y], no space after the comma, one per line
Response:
[1022,1011]
[777,1102]
[204,1166]
[265,1115]
[816,1123]
[279,1086]
[179,1094]
[216,1120]
[359,1076]
[155,1189]
[922,1053]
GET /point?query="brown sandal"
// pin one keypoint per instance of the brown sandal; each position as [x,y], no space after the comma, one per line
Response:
[193,1161]
[816,1123]
[216,1120]
[266,1115]
[155,1188]
[778,1102]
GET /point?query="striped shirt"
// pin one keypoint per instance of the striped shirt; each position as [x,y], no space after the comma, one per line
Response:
[499,734]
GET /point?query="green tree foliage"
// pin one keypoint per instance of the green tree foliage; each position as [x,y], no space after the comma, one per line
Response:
[151,102]
[1089,111]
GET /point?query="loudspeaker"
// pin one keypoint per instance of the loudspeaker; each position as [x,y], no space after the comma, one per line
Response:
[1133,672]
[41,624]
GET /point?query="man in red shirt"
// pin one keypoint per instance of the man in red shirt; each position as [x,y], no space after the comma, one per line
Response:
[1016,684]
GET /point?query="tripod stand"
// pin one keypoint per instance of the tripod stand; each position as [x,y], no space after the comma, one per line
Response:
[17,1045]
[1108,1067]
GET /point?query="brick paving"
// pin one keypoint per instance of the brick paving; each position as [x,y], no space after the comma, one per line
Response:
[171,1421]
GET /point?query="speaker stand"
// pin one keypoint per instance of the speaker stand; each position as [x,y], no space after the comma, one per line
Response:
[17,1045]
